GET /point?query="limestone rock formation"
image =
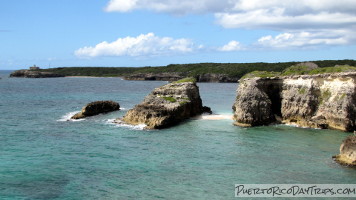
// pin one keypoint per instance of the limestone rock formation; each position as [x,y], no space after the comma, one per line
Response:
[317,101]
[34,74]
[347,154]
[167,106]
[253,106]
[97,107]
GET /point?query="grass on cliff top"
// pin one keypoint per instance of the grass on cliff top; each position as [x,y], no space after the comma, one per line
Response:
[296,70]
[301,70]
[262,74]
[336,69]
[185,80]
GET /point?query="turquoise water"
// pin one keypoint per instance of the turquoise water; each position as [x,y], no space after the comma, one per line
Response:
[43,156]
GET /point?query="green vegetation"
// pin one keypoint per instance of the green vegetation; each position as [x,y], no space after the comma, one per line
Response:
[192,70]
[301,70]
[325,95]
[296,70]
[336,69]
[170,99]
[262,74]
[184,80]
[302,90]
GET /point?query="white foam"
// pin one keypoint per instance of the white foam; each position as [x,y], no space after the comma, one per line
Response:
[67,117]
[214,117]
[120,123]
[298,126]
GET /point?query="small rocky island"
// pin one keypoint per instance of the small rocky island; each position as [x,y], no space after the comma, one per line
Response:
[347,154]
[167,105]
[317,101]
[34,72]
[97,107]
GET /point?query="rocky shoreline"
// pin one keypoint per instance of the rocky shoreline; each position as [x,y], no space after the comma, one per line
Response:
[174,76]
[316,101]
[34,74]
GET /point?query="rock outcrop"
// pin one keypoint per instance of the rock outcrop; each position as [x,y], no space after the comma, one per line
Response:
[167,106]
[317,101]
[217,78]
[97,107]
[347,154]
[34,74]
[174,76]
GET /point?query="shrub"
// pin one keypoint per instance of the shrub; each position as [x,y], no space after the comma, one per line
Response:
[184,80]
[336,69]
[262,74]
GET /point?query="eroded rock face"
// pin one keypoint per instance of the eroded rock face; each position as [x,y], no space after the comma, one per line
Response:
[347,154]
[216,78]
[317,101]
[34,74]
[174,76]
[167,106]
[253,106]
[97,107]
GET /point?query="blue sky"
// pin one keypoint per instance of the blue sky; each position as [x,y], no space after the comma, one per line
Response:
[59,33]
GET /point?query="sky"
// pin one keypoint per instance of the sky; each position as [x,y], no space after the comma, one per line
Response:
[134,33]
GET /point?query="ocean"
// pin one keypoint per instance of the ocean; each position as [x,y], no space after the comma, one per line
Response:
[45,156]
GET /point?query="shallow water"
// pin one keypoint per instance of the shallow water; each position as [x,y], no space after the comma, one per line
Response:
[44,156]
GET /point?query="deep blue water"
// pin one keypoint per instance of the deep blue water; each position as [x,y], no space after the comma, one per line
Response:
[43,156]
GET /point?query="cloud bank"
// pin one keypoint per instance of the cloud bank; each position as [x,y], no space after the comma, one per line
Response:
[322,22]
[142,45]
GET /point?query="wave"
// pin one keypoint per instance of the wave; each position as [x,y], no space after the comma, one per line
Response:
[67,117]
[120,123]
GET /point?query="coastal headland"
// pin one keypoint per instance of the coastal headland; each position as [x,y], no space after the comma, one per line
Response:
[202,72]
[321,100]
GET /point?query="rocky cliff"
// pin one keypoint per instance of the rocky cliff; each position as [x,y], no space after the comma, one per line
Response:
[167,106]
[317,101]
[347,154]
[34,74]
[174,76]
[97,107]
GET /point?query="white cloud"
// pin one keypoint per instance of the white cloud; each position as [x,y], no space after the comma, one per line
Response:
[121,5]
[142,45]
[231,46]
[301,40]
[170,6]
[317,17]
[277,19]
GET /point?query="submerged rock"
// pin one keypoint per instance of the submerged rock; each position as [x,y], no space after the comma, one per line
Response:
[316,101]
[97,107]
[347,154]
[34,74]
[167,105]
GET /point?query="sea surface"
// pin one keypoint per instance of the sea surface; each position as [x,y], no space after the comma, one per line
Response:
[45,156]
